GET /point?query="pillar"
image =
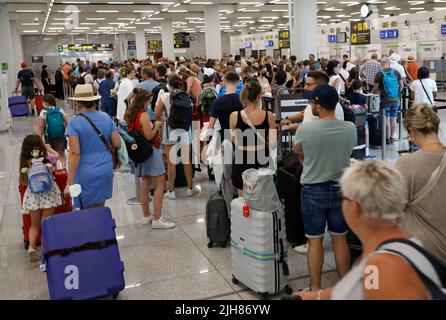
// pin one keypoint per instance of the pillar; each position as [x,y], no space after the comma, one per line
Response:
[304,29]
[7,77]
[213,33]
[16,43]
[167,39]
[141,46]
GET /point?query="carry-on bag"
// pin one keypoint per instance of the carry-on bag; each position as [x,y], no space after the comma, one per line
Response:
[375,130]
[81,255]
[18,106]
[259,249]
[218,225]
[39,103]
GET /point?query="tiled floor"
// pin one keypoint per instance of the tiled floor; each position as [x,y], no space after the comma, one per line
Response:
[160,264]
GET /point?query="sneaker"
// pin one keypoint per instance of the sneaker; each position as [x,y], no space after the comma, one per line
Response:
[162,224]
[147,220]
[191,192]
[303,249]
[33,255]
[370,157]
[170,195]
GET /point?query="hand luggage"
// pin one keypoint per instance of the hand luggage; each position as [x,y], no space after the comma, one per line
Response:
[39,103]
[375,130]
[18,106]
[259,250]
[359,151]
[354,246]
[81,256]
[289,189]
[218,225]
[373,102]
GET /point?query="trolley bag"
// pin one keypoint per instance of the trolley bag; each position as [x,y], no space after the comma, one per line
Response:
[373,102]
[289,190]
[375,130]
[259,249]
[81,256]
[18,106]
[39,103]
[359,151]
[218,225]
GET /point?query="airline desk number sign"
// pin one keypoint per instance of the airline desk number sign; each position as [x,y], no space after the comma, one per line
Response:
[284,39]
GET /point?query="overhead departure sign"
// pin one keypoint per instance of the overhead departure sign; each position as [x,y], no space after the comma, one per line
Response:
[89,47]
[284,39]
[181,40]
[360,33]
[154,46]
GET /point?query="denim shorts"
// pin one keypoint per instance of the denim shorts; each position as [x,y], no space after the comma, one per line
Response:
[321,206]
[391,108]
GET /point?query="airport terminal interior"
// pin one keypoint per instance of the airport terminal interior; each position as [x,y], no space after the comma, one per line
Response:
[62,41]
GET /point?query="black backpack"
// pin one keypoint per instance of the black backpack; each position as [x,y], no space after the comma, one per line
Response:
[81,79]
[156,92]
[140,149]
[181,111]
[207,98]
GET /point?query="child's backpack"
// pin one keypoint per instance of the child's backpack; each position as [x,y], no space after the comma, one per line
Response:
[39,177]
[181,111]
[207,98]
[54,124]
[391,84]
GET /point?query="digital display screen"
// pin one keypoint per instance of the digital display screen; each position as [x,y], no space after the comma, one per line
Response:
[331,38]
[389,34]
[269,43]
[341,37]
[443,29]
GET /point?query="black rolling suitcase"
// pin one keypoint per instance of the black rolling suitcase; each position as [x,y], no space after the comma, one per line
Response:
[289,190]
[354,246]
[359,152]
[218,224]
[375,130]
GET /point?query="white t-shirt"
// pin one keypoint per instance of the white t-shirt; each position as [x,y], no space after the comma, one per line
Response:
[309,117]
[420,96]
[42,114]
[396,66]
[97,82]
[125,88]
[87,77]
[341,86]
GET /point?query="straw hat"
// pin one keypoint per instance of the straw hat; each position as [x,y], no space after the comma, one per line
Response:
[84,92]
[410,57]
[395,57]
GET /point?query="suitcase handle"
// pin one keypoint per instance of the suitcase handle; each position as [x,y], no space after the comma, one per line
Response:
[286,269]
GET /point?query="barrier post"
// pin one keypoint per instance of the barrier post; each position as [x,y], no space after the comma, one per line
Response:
[384,134]
[135,201]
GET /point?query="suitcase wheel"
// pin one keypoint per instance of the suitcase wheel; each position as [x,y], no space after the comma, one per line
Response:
[264,296]
[234,280]
[210,244]
[288,290]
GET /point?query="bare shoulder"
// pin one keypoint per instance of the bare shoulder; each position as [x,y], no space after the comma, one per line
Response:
[390,277]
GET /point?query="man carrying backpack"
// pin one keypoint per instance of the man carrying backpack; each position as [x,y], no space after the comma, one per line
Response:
[26,79]
[389,84]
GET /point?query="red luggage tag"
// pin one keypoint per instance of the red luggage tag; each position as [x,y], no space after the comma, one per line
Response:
[246,210]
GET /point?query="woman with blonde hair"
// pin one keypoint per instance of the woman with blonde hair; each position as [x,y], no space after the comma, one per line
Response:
[425,175]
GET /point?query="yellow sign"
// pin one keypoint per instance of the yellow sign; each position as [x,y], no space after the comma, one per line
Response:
[354,38]
[394,24]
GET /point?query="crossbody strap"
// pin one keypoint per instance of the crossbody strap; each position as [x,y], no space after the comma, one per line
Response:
[436,175]
[425,91]
[99,133]
[250,124]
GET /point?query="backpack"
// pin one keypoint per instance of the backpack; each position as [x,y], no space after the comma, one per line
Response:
[431,272]
[39,178]
[81,79]
[156,92]
[54,124]
[140,149]
[391,84]
[181,111]
[207,98]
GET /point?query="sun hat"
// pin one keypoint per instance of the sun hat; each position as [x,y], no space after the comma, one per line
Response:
[208,72]
[84,92]
[410,57]
[395,57]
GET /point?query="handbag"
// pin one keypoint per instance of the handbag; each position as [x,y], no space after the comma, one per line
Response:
[428,97]
[109,147]
[436,175]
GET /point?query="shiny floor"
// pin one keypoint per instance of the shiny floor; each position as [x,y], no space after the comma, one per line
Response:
[160,264]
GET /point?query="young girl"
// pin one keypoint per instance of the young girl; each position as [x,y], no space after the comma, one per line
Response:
[137,118]
[53,130]
[39,205]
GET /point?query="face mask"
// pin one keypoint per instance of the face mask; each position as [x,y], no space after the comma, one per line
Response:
[238,70]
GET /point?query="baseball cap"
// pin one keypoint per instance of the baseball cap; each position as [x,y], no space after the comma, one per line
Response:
[324,94]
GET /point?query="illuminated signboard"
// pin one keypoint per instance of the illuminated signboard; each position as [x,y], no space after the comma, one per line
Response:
[154,46]
[181,40]
[88,47]
[360,33]
[284,39]
[389,34]
[331,38]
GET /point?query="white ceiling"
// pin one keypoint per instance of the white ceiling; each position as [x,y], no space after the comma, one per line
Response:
[235,16]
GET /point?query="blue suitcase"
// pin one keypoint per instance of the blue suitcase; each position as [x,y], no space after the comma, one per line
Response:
[81,255]
[18,106]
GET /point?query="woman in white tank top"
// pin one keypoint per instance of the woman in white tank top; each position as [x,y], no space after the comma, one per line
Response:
[374,197]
